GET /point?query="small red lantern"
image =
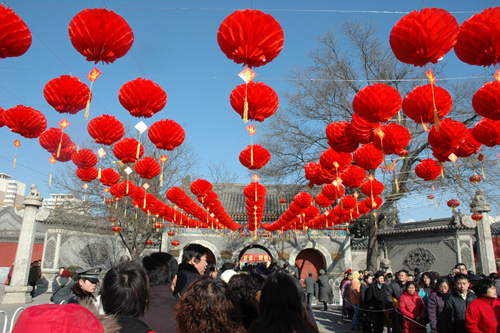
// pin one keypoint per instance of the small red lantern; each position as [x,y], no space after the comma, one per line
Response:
[430,197]
[475,179]
[157,226]
[105,129]
[87,175]
[254,157]
[116,229]
[453,203]
[149,242]
[147,168]
[166,134]
[110,201]
[175,243]
[477,217]
[262,100]
[171,233]
[283,202]
[66,94]
[126,150]
[142,98]
[109,177]
[340,137]
[428,169]
[112,220]
[84,158]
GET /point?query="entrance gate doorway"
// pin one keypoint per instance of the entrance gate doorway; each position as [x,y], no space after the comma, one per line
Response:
[309,260]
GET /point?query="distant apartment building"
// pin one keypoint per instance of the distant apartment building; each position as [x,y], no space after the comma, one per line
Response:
[11,191]
[60,199]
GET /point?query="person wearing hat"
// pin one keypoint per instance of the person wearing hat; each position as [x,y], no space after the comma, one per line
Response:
[86,286]
[325,292]
[61,288]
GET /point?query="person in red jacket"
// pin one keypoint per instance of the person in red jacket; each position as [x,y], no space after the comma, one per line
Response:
[483,314]
[412,307]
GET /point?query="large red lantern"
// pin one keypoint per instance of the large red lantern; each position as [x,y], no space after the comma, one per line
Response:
[368,157]
[451,133]
[487,132]
[372,187]
[362,130]
[15,36]
[254,157]
[322,201]
[348,202]
[373,202]
[65,153]
[477,217]
[109,177]
[469,146]
[148,167]
[66,94]
[255,191]
[142,98]
[126,150]
[428,169]
[250,37]
[333,192]
[84,158]
[353,176]
[317,175]
[333,161]
[105,129]
[25,121]
[486,101]
[100,35]
[477,42]
[392,139]
[87,175]
[340,137]
[52,138]
[166,134]
[201,187]
[423,37]
[377,103]
[262,100]
[419,104]
[453,203]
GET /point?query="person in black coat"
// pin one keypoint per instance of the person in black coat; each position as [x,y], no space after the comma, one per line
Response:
[192,267]
[162,270]
[376,300]
[456,305]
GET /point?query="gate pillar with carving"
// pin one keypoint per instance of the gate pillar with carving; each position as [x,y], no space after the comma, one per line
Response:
[18,291]
[483,234]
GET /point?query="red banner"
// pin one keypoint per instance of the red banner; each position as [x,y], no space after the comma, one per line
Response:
[249,257]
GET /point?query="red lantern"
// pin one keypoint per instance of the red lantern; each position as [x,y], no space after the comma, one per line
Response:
[403,153]
[261,99]
[353,176]
[348,202]
[84,158]
[166,134]
[487,132]
[116,229]
[362,130]
[142,98]
[377,103]
[112,220]
[201,187]
[254,190]
[423,37]
[372,187]
[250,37]
[175,243]
[317,175]
[254,157]
[451,133]
[475,179]
[105,129]
[2,111]
[428,169]
[66,94]
[100,35]
[109,177]
[147,167]
[373,203]
[419,105]
[392,138]
[171,233]
[430,197]
[323,201]
[25,121]
[477,42]
[442,156]
[15,36]
[340,137]
[333,192]
[368,157]
[303,200]
[283,202]
[477,217]
[65,153]
[51,138]
[87,175]
[453,203]
[486,101]
[149,242]
[333,161]
[126,150]
[110,201]
[469,146]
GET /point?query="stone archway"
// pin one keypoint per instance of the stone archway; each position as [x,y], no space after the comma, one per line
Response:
[310,261]
[213,256]
[240,250]
[320,248]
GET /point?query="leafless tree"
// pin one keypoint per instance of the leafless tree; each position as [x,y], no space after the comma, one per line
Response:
[219,172]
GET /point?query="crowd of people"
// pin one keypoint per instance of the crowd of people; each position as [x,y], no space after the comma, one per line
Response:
[160,295]
[422,302]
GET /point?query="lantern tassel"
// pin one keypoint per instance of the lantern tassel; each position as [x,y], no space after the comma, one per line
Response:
[397,185]
[50,179]
[87,109]
[436,118]
[436,204]
[138,146]
[251,155]
[161,178]
[399,117]
[15,160]
[482,170]
[245,105]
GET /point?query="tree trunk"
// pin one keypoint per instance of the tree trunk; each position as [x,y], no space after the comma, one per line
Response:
[372,252]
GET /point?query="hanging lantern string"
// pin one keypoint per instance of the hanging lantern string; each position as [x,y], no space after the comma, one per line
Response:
[432,80]
[245,105]
[60,144]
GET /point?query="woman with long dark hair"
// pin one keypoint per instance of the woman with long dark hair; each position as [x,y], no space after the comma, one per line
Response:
[208,306]
[282,307]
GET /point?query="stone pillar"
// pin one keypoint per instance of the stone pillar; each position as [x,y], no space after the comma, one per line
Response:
[19,291]
[459,250]
[483,234]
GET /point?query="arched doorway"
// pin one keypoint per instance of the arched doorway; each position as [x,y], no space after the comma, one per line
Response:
[309,260]
[253,255]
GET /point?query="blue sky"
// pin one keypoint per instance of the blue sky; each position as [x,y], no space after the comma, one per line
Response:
[175,45]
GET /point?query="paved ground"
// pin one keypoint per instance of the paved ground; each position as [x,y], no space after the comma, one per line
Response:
[328,321]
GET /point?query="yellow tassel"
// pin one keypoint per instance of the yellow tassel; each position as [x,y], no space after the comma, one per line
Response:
[144,205]
[251,155]
[136,213]
[99,173]
[147,221]
[15,160]
[103,199]
[161,179]
[138,148]
[436,204]
[442,173]
[84,196]
[482,170]
[59,148]
[459,182]
[436,119]
[50,179]
[245,105]
[399,117]
[397,185]
[87,109]
[116,204]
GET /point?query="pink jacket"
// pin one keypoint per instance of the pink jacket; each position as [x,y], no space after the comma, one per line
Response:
[483,315]
[412,306]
